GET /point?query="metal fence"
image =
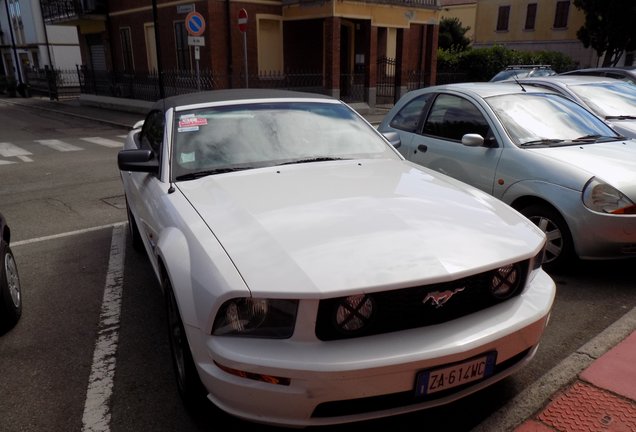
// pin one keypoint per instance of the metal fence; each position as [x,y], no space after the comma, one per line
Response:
[54,83]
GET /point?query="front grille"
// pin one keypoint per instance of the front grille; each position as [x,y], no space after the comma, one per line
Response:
[395,400]
[389,311]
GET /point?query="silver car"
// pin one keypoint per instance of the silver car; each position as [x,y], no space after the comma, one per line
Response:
[611,99]
[543,154]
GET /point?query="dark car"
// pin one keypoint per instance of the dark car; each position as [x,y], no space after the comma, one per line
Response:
[10,292]
[625,73]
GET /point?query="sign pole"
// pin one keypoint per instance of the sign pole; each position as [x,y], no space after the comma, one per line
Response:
[196,59]
[195,25]
[245,56]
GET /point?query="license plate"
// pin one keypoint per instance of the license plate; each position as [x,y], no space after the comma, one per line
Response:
[435,380]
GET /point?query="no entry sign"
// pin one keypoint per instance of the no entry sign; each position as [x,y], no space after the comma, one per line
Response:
[242,20]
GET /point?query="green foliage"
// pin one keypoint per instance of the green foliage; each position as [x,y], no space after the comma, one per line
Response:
[452,35]
[609,28]
[481,64]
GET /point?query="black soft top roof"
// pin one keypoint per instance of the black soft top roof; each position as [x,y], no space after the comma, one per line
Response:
[231,94]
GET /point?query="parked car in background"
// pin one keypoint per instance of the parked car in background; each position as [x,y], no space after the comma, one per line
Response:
[10,290]
[611,99]
[625,73]
[522,71]
[311,275]
[538,151]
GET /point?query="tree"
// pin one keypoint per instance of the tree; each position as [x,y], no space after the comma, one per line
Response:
[610,27]
[452,35]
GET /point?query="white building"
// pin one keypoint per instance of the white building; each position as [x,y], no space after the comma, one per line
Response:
[32,45]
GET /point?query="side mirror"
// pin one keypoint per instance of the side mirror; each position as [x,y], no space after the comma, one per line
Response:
[394,138]
[137,160]
[473,140]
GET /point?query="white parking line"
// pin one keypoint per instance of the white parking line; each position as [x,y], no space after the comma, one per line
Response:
[59,145]
[97,414]
[66,234]
[10,150]
[103,141]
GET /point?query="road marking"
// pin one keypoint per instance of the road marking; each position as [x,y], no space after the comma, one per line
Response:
[103,142]
[4,162]
[10,150]
[66,234]
[97,414]
[58,145]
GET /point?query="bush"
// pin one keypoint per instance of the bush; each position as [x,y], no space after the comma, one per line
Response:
[481,64]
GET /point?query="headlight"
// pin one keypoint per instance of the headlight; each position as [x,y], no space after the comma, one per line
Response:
[253,317]
[601,197]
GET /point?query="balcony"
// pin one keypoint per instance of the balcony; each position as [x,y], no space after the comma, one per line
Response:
[73,12]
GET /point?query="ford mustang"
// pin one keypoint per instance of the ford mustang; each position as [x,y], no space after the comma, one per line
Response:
[311,274]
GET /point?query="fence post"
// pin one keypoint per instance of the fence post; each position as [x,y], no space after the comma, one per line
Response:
[51,82]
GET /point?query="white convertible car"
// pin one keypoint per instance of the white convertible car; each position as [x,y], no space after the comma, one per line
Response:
[312,276]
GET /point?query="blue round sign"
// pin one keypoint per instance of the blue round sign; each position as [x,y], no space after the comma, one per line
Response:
[195,23]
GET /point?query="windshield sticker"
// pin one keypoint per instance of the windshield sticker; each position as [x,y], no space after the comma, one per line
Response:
[192,121]
[188,129]
[186,157]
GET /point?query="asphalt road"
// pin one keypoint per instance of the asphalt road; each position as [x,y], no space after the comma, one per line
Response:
[66,209]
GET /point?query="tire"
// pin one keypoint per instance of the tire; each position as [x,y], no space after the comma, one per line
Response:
[10,290]
[133,229]
[559,251]
[189,384]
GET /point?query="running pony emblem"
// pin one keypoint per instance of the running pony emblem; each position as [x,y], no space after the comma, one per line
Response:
[439,298]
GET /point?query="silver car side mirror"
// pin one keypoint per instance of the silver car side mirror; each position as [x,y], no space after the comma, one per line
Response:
[473,140]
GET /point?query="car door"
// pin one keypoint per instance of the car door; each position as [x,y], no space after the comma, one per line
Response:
[145,189]
[438,142]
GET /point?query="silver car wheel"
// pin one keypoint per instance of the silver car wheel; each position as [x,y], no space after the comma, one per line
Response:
[554,246]
[13,281]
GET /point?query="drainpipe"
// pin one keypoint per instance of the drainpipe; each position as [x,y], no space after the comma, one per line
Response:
[15,51]
[228,19]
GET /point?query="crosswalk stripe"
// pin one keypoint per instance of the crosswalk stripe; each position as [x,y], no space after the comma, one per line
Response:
[59,145]
[4,162]
[10,150]
[103,141]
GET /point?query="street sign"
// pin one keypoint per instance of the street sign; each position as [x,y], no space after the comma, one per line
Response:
[195,23]
[196,40]
[242,20]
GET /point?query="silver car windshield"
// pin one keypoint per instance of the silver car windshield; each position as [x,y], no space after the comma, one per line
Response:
[253,135]
[547,119]
[609,99]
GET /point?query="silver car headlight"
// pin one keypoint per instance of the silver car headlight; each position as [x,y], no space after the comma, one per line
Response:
[254,317]
[604,198]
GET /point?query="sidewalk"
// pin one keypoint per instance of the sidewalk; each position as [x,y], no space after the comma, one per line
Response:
[594,389]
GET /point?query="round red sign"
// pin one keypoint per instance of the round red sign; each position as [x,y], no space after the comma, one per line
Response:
[242,20]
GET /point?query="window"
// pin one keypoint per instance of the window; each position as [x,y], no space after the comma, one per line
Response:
[531,16]
[452,117]
[126,49]
[182,47]
[270,45]
[502,18]
[409,117]
[561,15]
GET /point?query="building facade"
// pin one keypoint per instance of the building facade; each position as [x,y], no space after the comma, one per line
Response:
[348,49]
[26,43]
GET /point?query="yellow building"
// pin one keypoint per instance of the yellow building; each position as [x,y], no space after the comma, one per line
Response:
[533,25]
[464,10]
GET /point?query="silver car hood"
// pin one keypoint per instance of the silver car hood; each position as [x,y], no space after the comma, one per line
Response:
[334,227]
[614,162]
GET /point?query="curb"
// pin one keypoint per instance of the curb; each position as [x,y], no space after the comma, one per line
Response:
[531,400]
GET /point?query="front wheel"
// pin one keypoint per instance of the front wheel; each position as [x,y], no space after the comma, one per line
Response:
[559,250]
[10,290]
[189,384]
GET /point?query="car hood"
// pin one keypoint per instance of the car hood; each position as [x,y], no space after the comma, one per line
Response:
[335,227]
[614,162]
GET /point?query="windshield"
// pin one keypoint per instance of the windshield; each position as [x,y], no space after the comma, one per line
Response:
[608,99]
[253,135]
[547,118]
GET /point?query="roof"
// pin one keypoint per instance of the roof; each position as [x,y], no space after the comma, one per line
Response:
[487,89]
[232,94]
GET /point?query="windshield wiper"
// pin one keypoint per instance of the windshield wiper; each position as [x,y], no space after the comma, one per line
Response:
[620,117]
[199,174]
[597,138]
[312,159]
[541,142]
